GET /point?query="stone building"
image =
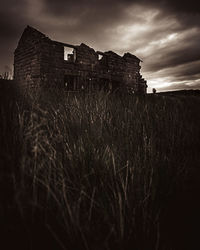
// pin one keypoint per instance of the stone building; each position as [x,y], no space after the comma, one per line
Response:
[42,62]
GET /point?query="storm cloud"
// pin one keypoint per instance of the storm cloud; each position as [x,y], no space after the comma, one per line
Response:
[164,34]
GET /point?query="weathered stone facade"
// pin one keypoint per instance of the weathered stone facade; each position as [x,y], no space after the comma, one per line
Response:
[39,61]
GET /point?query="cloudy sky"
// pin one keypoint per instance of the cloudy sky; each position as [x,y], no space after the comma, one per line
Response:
[164,34]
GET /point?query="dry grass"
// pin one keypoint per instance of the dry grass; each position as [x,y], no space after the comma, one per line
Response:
[96,169]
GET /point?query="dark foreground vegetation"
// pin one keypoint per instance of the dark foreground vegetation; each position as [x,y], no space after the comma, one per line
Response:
[99,171]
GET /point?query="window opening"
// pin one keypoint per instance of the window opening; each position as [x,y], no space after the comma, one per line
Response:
[100,57]
[69,54]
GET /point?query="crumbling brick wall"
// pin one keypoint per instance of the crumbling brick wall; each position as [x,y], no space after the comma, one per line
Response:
[27,58]
[39,61]
[52,63]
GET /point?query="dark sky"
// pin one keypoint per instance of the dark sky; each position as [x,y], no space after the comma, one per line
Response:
[164,34]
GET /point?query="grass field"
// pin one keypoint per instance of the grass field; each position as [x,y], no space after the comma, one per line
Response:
[98,171]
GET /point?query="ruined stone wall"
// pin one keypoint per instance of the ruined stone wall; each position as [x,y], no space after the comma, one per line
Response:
[86,55]
[132,69]
[111,70]
[27,59]
[84,69]
[124,70]
[39,61]
[51,63]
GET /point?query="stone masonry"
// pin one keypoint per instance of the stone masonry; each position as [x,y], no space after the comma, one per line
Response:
[42,62]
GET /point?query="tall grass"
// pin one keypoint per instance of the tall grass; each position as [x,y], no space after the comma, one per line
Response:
[97,170]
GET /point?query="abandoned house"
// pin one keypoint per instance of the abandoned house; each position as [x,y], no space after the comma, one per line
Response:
[40,61]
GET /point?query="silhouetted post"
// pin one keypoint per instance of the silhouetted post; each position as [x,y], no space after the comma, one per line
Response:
[154,91]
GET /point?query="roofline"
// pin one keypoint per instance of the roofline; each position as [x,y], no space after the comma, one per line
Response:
[65,44]
[100,53]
